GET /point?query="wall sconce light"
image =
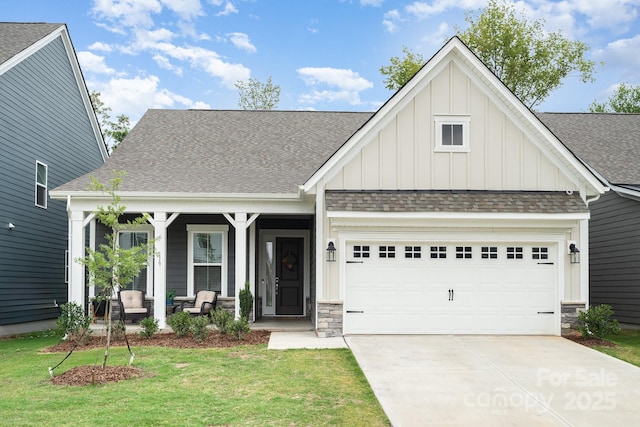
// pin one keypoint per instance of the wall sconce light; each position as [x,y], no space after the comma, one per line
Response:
[11,226]
[331,251]
[574,253]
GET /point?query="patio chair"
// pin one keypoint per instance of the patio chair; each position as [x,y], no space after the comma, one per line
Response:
[132,305]
[98,310]
[205,301]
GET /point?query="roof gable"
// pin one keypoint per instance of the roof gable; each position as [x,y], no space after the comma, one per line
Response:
[19,41]
[394,121]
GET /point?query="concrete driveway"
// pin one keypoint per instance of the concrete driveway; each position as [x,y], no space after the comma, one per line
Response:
[445,380]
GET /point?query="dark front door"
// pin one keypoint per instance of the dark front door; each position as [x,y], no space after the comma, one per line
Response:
[289,275]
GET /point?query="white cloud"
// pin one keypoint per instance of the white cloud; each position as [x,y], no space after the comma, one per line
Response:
[241,41]
[339,77]
[101,47]
[164,63]
[611,14]
[374,3]
[185,9]
[93,63]
[128,13]
[423,10]
[229,8]
[622,53]
[316,97]
[133,97]
[438,37]
[348,83]
[391,19]
[206,60]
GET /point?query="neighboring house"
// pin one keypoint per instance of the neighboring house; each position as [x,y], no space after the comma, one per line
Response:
[48,136]
[610,145]
[451,209]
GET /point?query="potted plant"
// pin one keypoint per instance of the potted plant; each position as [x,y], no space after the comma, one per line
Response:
[171,294]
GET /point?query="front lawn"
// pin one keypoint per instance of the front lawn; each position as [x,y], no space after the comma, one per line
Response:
[628,346]
[247,385]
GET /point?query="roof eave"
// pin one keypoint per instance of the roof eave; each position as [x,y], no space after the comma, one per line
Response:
[85,194]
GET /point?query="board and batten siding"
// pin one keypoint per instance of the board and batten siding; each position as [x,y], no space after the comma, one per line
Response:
[43,118]
[401,155]
[614,255]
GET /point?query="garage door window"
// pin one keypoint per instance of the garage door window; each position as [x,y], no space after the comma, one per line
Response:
[438,252]
[360,251]
[387,251]
[514,253]
[412,252]
[489,252]
[463,252]
[540,253]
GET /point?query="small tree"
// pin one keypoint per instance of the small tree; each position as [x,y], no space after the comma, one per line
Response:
[246,301]
[255,95]
[113,132]
[110,267]
[529,61]
[401,69]
[626,99]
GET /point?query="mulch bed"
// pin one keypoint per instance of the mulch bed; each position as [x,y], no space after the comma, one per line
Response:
[86,375]
[590,341]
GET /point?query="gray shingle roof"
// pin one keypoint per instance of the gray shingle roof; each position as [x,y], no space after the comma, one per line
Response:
[213,151]
[454,201]
[609,143]
[16,37]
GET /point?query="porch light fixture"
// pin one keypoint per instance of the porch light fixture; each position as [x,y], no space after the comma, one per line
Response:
[11,226]
[574,254]
[331,251]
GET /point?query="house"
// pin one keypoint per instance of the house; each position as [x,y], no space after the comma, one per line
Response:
[610,145]
[48,136]
[452,209]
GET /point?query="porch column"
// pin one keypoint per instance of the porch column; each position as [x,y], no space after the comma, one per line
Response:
[160,268]
[240,221]
[75,292]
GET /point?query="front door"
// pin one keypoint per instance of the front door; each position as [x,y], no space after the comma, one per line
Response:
[289,276]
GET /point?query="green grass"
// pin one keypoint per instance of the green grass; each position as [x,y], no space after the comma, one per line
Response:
[628,348]
[247,385]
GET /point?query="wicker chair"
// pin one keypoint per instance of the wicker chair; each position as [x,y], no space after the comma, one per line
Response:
[132,305]
[205,301]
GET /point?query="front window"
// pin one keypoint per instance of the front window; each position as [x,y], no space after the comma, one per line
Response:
[207,258]
[41,185]
[128,239]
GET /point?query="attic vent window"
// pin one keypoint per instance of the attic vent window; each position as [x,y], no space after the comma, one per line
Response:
[452,133]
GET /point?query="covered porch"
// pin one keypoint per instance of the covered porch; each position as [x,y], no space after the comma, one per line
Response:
[210,245]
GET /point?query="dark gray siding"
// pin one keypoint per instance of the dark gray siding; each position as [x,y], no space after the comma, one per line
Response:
[177,238]
[615,256]
[42,118]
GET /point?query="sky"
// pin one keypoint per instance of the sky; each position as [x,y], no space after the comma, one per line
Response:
[324,54]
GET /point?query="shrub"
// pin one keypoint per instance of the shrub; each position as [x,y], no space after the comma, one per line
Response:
[239,328]
[246,301]
[72,321]
[117,330]
[597,322]
[149,326]
[180,323]
[222,318]
[199,328]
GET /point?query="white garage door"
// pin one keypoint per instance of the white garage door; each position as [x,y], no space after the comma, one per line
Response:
[461,288]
